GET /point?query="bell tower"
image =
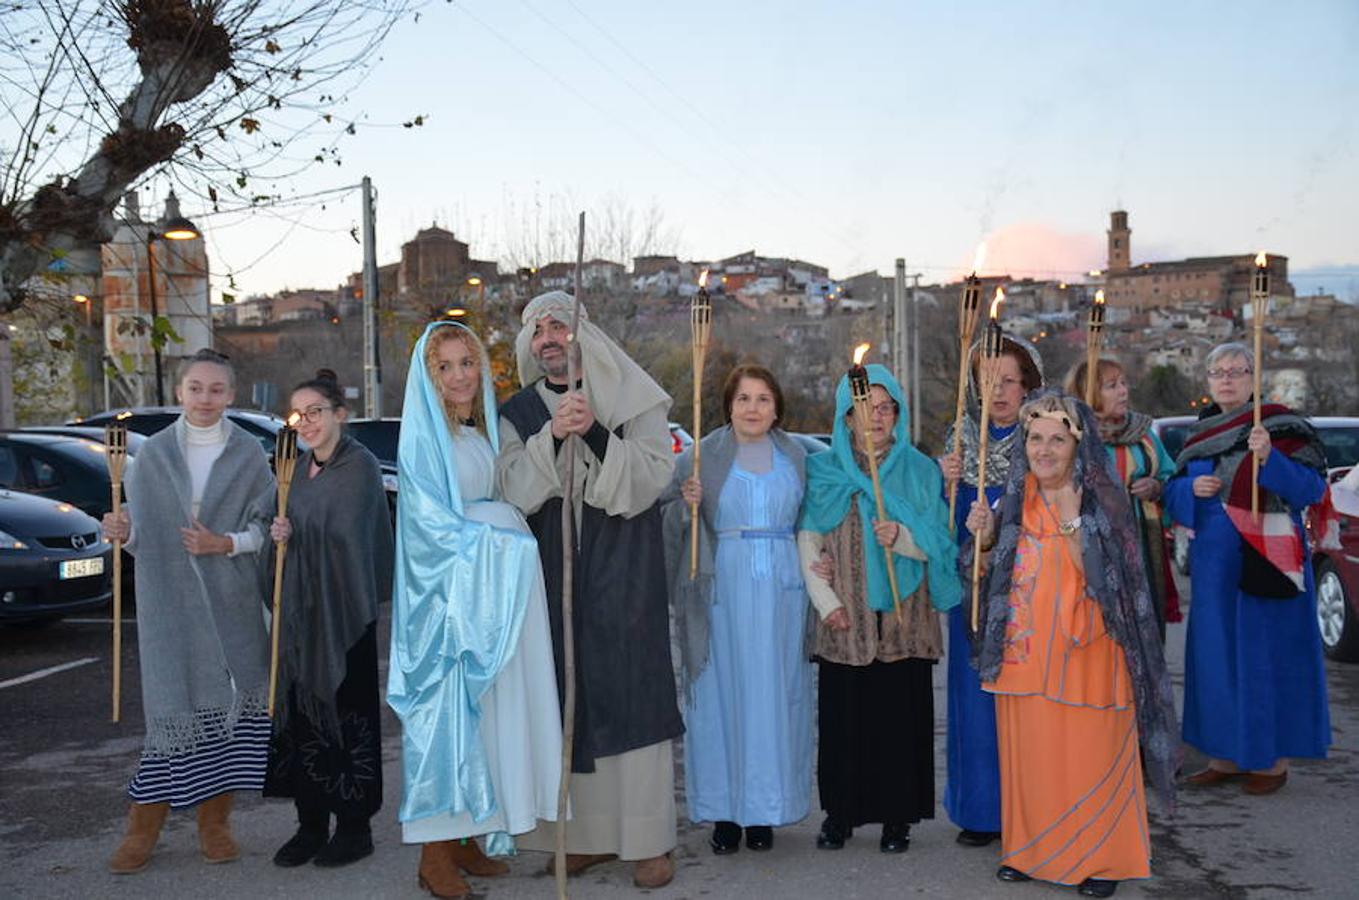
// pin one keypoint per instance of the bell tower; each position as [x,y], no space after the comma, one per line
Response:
[1120,242]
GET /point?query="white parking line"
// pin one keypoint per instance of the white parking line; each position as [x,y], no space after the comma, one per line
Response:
[43,673]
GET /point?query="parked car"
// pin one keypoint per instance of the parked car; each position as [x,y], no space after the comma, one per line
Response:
[1337,575]
[71,469]
[147,420]
[52,559]
[88,432]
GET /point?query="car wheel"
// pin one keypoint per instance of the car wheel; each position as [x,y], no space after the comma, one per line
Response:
[1336,619]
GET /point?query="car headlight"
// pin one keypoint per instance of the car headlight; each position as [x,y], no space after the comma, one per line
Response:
[10,542]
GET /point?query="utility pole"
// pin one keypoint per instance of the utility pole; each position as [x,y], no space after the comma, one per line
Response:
[6,378]
[372,367]
[916,416]
[899,345]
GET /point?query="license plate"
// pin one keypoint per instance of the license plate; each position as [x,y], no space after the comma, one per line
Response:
[82,568]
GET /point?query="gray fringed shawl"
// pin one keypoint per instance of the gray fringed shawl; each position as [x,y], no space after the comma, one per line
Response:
[201,635]
[691,600]
[1115,579]
[337,569]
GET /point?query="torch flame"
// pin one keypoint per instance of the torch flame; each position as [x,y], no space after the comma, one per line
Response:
[125,414]
[860,352]
[995,304]
[979,258]
[294,418]
[1099,296]
[703,279]
[1261,259]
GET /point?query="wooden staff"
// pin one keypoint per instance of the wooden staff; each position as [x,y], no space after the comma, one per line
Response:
[568,584]
[1094,339]
[859,391]
[992,345]
[969,309]
[285,459]
[115,453]
[1259,302]
[701,322]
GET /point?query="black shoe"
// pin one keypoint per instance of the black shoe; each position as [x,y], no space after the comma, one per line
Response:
[977,838]
[1097,887]
[759,837]
[345,848]
[833,835]
[726,838]
[300,848]
[895,839]
[1006,873]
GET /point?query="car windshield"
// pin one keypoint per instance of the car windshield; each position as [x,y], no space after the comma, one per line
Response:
[1172,438]
[380,438]
[1342,445]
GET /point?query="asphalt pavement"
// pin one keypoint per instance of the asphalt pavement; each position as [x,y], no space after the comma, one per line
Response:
[64,768]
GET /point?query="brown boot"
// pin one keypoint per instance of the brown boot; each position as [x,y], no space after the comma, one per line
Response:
[214,831]
[439,874]
[654,872]
[144,822]
[469,857]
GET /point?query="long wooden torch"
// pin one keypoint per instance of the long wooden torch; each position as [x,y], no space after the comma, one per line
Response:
[860,393]
[992,344]
[1094,342]
[969,309]
[568,583]
[1259,307]
[115,453]
[701,323]
[285,460]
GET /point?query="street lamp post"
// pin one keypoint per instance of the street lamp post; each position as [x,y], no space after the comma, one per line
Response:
[177,228]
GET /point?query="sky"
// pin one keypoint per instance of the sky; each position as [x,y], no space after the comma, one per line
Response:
[849,133]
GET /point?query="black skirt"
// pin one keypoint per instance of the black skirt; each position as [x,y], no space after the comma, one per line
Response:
[875,758]
[341,776]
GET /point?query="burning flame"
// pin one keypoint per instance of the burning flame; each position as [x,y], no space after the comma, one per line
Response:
[1261,259]
[294,418]
[703,279]
[995,304]
[860,352]
[1099,296]
[979,258]
[125,414]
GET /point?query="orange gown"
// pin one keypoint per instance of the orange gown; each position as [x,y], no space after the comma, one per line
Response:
[1072,801]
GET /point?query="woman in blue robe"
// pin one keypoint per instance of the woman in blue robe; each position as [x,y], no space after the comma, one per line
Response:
[472,677]
[1254,684]
[743,620]
[972,793]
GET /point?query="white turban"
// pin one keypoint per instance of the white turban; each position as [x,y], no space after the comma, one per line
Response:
[616,387]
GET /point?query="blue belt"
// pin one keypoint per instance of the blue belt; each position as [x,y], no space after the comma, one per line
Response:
[749,534]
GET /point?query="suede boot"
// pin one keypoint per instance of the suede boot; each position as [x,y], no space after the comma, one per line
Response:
[144,821]
[469,857]
[439,874]
[313,831]
[214,831]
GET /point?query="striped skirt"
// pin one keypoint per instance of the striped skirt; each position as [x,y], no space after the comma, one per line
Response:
[234,764]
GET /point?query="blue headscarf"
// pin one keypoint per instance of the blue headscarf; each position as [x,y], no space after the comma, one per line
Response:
[912,489]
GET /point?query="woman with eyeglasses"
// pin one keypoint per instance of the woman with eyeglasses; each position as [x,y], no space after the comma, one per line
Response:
[972,792]
[1142,465]
[875,699]
[1254,685]
[326,750]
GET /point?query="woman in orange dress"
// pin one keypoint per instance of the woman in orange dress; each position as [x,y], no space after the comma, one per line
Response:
[1069,645]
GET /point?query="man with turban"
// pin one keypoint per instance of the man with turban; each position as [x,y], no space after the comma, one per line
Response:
[626,714]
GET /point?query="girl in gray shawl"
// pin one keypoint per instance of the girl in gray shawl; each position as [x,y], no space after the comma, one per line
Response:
[197,501]
[326,753]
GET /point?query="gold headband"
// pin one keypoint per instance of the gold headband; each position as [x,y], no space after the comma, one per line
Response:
[1058,415]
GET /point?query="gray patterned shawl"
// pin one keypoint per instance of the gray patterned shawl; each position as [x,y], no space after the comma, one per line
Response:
[200,624]
[1115,579]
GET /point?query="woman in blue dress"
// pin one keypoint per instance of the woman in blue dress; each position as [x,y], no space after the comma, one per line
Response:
[743,620]
[1254,685]
[972,794]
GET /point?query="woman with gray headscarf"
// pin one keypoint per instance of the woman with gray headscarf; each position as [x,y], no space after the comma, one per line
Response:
[1069,645]
[197,509]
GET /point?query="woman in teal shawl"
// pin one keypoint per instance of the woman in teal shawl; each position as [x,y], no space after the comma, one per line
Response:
[876,703]
[471,674]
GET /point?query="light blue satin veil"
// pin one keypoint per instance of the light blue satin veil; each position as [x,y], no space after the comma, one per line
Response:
[460,591]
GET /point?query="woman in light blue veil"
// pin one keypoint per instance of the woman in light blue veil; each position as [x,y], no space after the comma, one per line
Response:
[471,675]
